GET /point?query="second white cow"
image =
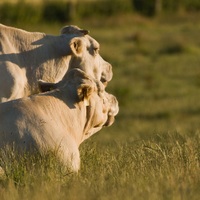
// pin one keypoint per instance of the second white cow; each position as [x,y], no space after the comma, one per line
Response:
[26,57]
[58,120]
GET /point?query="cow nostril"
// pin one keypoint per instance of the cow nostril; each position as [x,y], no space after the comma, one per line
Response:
[103,80]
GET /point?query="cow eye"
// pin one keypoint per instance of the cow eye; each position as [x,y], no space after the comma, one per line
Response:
[96,50]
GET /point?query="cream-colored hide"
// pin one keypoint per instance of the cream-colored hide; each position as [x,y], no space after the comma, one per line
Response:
[26,57]
[58,120]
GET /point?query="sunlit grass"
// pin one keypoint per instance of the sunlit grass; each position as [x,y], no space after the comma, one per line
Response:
[164,166]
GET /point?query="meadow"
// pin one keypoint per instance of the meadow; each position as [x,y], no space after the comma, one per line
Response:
[152,151]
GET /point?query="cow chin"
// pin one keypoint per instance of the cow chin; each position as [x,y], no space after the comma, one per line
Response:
[110,120]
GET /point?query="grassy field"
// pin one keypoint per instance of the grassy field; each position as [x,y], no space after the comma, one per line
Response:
[153,149]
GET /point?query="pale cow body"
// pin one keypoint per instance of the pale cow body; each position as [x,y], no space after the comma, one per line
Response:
[26,57]
[58,120]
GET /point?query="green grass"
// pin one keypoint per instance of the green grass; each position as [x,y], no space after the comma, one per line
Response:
[152,150]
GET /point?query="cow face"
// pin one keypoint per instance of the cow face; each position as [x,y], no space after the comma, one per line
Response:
[105,108]
[85,51]
[101,111]
[86,57]
[101,107]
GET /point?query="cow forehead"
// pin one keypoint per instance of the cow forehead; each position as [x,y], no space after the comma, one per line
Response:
[92,42]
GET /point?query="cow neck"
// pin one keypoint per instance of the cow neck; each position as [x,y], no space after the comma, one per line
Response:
[67,96]
[58,56]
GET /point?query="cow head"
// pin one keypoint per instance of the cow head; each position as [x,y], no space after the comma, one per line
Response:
[101,107]
[85,54]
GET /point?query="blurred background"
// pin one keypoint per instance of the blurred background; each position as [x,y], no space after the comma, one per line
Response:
[37,11]
[154,47]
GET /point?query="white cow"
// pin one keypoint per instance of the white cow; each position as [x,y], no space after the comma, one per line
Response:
[26,57]
[58,120]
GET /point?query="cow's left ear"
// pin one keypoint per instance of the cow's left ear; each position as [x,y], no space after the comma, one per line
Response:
[73,30]
[84,92]
[76,45]
[46,86]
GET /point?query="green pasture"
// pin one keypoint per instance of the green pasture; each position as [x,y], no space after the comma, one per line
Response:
[152,151]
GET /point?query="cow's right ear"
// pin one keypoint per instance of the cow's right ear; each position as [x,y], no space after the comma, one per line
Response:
[76,46]
[46,86]
[84,92]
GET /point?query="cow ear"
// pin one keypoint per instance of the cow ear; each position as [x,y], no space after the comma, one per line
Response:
[73,30]
[45,86]
[84,92]
[76,45]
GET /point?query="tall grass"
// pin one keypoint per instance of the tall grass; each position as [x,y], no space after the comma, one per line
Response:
[163,167]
